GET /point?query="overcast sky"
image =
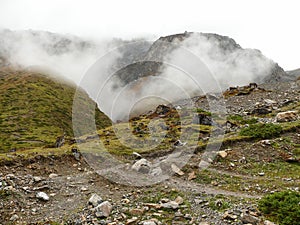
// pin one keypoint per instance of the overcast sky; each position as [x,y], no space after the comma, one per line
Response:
[271,26]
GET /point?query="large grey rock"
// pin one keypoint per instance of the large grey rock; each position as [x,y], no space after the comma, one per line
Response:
[103,210]
[287,116]
[142,166]
[95,200]
[170,205]
[248,219]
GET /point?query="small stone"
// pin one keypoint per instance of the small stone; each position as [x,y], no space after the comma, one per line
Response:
[153,205]
[178,214]
[131,221]
[84,189]
[95,200]
[164,200]
[148,222]
[204,223]
[37,179]
[125,201]
[223,154]
[227,215]
[214,183]
[76,156]
[261,174]
[179,200]
[266,142]
[243,160]
[136,212]
[14,217]
[176,170]
[267,222]
[43,196]
[136,155]
[170,205]
[53,175]
[249,219]
[270,102]
[192,176]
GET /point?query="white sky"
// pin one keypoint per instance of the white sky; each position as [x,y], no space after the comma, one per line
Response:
[269,25]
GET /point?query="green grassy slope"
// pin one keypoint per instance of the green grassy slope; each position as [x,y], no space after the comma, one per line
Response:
[35,109]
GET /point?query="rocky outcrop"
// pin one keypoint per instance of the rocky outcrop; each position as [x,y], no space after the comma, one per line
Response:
[287,116]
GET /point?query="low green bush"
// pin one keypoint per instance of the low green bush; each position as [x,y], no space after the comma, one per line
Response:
[241,120]
[262,130]
[281,207]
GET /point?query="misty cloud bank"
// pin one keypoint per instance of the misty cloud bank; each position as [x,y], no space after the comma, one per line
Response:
[192,65]
[195,65]
[65,55]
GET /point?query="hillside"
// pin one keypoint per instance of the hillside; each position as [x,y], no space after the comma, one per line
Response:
[259,155]
[226,159]
[36,109]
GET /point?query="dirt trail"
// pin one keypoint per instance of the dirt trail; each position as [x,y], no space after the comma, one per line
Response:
[190,186]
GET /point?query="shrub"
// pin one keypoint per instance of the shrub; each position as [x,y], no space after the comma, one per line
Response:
[241,120]
[261,130]
[282,207]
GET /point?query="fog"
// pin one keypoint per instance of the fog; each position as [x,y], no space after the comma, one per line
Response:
[195,65]
[198,65]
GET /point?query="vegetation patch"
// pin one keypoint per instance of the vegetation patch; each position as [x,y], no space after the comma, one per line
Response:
[241,120]
[281,207]
[263,131]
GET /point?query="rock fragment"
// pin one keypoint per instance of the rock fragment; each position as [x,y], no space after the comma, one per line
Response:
[42,196]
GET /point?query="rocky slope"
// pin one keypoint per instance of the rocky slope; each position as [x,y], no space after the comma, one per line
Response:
[256,151]
[42,188]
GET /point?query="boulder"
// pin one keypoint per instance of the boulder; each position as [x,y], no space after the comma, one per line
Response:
[103,210]
[142,166]
[170,205]
[287,116]
[223,154]
[177,170]
[95,200]
[248,219]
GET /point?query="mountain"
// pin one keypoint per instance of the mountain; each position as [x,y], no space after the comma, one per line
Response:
[294,74]
[36,109]
[214,49]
